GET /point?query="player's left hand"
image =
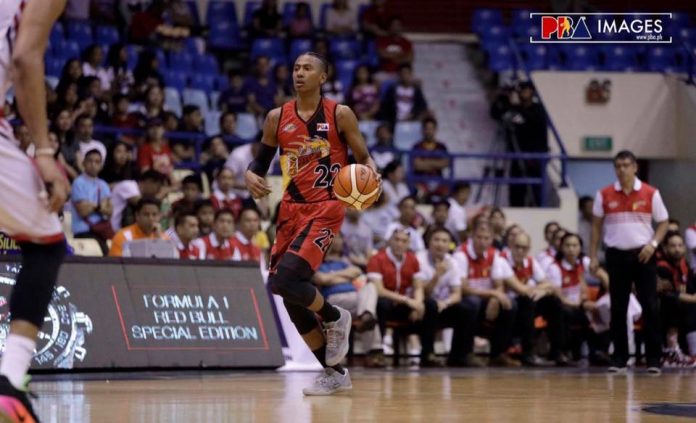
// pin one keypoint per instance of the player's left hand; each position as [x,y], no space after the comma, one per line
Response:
[56,184]
[645,254]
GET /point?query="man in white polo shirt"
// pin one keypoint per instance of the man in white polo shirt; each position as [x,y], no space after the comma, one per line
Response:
[625,210]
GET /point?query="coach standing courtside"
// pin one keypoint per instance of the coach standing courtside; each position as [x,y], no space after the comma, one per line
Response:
[626,209]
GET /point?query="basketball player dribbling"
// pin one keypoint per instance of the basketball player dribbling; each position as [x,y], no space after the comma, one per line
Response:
[27,210]
[313,134]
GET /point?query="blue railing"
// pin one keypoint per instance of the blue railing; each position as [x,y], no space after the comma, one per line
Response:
[408,156]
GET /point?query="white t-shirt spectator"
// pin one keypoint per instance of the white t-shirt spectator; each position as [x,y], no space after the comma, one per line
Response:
[417,243]
[451,280]
[456,219]
[500,269]
[120,194]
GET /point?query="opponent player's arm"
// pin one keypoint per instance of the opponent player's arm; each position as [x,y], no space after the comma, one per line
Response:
[258,168]
[348,126]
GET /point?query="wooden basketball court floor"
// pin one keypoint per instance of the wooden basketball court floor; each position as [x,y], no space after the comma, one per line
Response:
[431,396]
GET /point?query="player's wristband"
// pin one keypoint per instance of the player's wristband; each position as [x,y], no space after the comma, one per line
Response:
[45,151]
[263,160]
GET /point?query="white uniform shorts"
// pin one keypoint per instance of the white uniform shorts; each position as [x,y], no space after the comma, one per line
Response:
[24,213]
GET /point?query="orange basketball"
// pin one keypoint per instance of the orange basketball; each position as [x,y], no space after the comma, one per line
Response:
[356,186]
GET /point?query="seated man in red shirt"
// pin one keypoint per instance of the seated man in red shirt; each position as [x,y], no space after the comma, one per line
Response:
[677,302]
[243,240]
[184,232]
[218,244]
[394,49]
[401,295]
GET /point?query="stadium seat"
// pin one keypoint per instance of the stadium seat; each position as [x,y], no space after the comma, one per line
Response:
[175,79]
[368,128]
[54,66]
[212,122]
[322,15]
[249,8]
[67,49]
[57,34]
[344,72]
[172,100]
[206,63]
[182,62]
[370,56]
[344,49]
[203,81]
[80,32]
[660,59]
[196,97]
[214,97]
[224,35]
[619,58]
[222,83]
[501,59]
[271,47]
[298,47]
[406,134]
[221,11]
[107,35]
[494,36]
[247,126]
[483,18]
[581,58]
[535,56]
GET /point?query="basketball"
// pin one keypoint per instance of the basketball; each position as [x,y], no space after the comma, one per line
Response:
[356,186]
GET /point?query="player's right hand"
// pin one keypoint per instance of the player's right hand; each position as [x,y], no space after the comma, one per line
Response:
[257,186]
[56,184]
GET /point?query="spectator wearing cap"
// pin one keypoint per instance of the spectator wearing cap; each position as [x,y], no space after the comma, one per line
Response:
[90,201]
[407,216]
[155,153]
[487,273]
[394,271]
[457,219]
[677,297]
[146,226]
[217,245]
[184,232]
[625,211]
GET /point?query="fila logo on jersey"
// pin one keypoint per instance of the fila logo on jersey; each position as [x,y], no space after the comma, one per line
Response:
[324,127]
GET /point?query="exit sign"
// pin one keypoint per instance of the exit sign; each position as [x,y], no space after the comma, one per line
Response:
[597,143]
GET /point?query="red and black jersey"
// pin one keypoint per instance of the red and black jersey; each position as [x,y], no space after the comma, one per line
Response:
[311,152]
[677,273]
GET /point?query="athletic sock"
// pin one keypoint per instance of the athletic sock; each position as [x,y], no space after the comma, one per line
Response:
[17,358]
[320,354]
[329,313]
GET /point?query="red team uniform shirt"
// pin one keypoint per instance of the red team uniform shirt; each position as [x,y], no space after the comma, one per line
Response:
[312,152]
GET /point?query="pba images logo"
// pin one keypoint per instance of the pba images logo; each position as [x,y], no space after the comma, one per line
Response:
[564,28]
[604,28]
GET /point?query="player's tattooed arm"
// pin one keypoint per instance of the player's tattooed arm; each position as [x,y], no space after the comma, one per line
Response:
[348,127]
[256,172]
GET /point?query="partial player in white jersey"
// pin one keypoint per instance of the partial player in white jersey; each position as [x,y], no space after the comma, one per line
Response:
[31,192]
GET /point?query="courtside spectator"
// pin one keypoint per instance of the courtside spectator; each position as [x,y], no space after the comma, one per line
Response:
[244,239]
[394,49]
[126,194]
[394,183]
[260,88]
[677,303]
[205,212]
[425,165]
[192,188]
[457,219]
[234,98]
[550,250]
[146,226]
[184,232]
[546,260]
[403,101]
[266,21]
[218,244]
[496,218]
[585,220]
[442,285]
[90,203]
[335,280]
[542,302]
[407,217]
[119,165]
[364,94]
[393,270]
[155,153]
[486,273]
[357,238]
[509,237]
[341,19]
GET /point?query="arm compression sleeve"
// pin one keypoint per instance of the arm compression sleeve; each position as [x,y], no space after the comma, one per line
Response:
[263,159]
